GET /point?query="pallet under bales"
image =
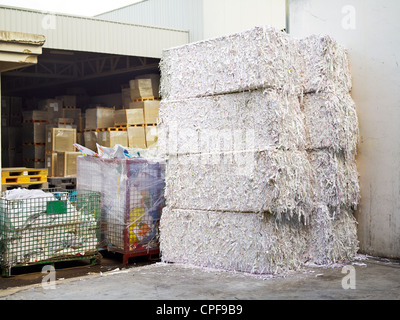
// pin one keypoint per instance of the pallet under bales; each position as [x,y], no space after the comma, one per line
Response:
[284,195]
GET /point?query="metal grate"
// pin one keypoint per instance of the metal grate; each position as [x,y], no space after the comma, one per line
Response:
[133,200]
[48,225]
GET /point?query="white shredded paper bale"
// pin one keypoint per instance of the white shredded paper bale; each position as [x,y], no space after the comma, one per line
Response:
[255,243]
[232,122]
[244,242]
[284,195]
[332,239]
[332,122]
[258,58]
[336,180]
[324,65]
[272,181]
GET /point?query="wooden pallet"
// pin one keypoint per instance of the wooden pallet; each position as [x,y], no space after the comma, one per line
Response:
[5,187]
[137,125]
[62,182]
[146,99]
[36,121]
[111,129]
[93,258]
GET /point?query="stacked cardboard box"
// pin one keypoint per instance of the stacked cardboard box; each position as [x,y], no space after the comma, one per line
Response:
[53,107]
[99,118]
[141,123]
[144,87]
[60,151]
[11,125]
[112,136]
[100,128]
[34,138]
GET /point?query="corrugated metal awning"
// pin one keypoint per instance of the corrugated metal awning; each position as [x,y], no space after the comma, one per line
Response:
[67,32]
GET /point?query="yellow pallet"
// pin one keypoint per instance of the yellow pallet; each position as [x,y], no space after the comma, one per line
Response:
[23,175]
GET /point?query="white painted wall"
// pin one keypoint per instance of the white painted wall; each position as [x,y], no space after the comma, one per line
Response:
[223,17]
[370,29]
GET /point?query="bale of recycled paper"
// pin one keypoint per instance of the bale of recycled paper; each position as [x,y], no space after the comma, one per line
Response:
[332,122]
[324,65]
[272,181]
[336,180]
[332,238]
[232,122]
[256,243]
[235,241]
[261,57]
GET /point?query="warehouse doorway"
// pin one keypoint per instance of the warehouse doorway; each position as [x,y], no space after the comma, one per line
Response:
[82,79]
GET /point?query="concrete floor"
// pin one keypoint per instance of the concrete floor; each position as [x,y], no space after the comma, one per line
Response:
[373,278]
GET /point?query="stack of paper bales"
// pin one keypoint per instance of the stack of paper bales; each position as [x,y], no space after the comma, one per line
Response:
[332,137]
[242,181]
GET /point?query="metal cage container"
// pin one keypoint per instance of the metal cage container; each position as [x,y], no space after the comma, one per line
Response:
[47,226]
[132,201]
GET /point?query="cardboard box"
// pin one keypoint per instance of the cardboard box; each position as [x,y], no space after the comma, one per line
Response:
[31,151]
[151,136]
[66,164]
[11,138]
[100,117]
[35,115]
[128,117]
[34,132]
[141,89]
[53,108]
[73,113]
[11,159]
[136,137]
[151,111]
[90,138]
[67,101]
[34,163]
[80,138]
[51,163]
[111,138]
[60,139]
[126,97]
[155,83]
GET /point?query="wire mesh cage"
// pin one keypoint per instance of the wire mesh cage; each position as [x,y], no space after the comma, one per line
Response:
[39,226]
[132,200]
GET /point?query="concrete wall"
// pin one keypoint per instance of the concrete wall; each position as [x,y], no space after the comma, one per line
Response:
[223,17]
[370,30]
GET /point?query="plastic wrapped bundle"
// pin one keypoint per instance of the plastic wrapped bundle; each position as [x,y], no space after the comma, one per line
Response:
[324,65]
[241,121]
[258,58]
[332,239]
[272,181]
[132,195]
[335,179]
[235,241]
[332,123]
